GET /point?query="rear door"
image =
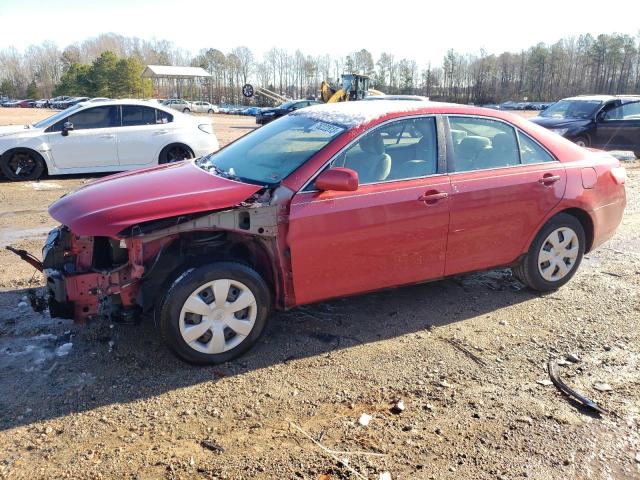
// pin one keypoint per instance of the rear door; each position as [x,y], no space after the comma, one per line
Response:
[92,142]
[141,134]
[619,128]
[503,185]
[391,231]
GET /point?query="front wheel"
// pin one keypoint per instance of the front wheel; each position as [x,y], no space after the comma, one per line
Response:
[22,165]
[186,110]
[215,313]
[554,255]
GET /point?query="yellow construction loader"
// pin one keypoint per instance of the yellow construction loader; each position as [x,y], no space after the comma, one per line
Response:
[354,87]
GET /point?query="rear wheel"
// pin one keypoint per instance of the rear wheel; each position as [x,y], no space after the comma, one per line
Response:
[214,313]
[554,255]
[175,153]
[186,110]
[22,165]
[210,111]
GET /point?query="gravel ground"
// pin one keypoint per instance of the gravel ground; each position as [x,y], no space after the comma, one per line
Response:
[465,356]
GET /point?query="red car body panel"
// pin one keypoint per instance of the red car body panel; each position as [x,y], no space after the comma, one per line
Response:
[331,243]
[108,206]
[379,236]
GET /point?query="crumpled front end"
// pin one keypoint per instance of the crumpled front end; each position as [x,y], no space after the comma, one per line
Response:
[95,276]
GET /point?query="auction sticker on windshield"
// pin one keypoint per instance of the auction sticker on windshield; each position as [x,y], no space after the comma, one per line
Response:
[327,128]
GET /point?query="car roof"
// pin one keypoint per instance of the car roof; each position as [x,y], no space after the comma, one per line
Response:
[142,103]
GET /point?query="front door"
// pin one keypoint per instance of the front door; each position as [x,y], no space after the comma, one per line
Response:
[91,143]
[619,128]
[391,231]
[503,185]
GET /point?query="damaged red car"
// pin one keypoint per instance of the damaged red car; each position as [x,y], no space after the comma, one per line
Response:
[329,201]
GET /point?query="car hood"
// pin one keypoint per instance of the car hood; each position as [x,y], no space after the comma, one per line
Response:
[13,129]
[550,122]
[109,205]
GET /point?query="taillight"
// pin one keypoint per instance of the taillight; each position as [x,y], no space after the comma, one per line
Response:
[619,175]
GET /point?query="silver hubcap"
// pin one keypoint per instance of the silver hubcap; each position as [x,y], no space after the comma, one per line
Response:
[558,254]
[218,316]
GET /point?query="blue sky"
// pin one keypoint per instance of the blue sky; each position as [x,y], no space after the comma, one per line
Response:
[417,30]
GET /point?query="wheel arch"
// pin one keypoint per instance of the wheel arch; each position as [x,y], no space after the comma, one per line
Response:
[173,144]
[587,224]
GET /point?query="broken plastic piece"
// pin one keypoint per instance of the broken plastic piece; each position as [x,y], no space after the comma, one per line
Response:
[564,388]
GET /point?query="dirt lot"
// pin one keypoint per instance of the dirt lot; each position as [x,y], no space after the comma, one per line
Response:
[466,356]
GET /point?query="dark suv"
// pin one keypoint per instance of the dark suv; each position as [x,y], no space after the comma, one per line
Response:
[601,121]
[266,115]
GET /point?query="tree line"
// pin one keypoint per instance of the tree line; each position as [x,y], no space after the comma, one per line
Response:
[110,65]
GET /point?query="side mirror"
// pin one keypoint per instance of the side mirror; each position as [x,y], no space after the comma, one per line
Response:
[338,179]
[66,128]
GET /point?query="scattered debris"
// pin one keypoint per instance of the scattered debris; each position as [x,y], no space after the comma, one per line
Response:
[44,186]
[602,387]
[623,155]
[564,388]
[573,358]
[527,420]
[384,476]
[210,445]
[461,348]
[64,349]
[364,419]
[335,453]
[398,407]
[545,382]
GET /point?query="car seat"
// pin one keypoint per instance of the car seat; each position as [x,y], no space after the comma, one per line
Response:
[371,162]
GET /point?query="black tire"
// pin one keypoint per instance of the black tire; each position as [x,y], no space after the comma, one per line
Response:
[175,153]
[22,164]
[582,141]
[210,111]
[183,288]
[186,110]
[528,271]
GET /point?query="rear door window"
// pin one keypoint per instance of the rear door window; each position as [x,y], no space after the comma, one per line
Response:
[531,151]
[133,115]
[482,143]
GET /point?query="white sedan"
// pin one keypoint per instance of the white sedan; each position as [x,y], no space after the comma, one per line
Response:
[107,136]
[204,107]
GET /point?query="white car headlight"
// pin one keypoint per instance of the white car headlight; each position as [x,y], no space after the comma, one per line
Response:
[206,127]
[560,131]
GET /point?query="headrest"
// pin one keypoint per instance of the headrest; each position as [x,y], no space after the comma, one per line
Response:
[502,141]
[372,143]
[458,135]
[475,142]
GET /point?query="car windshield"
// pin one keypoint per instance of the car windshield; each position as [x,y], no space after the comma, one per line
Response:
[572,109]
[269,154]
[55,117]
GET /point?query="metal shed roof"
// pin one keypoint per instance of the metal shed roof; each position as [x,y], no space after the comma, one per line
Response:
[169,71]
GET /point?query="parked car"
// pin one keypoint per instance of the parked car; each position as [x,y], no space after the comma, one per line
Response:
[179,104]
[28,103]
[328,201]
[55,101]
[12,104]
[42,103]
[203,107]
[102,137]
[97,99]
[267,115]
[397,97]
[253,111]
[600,121]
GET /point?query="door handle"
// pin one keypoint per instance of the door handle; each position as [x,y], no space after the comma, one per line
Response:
[160,132]
[107,136]
[432,197]
[548,179]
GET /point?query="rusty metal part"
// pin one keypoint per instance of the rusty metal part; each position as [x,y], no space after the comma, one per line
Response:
[564,388]
[27,257]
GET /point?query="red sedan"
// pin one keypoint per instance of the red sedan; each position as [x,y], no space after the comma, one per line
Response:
[329,201]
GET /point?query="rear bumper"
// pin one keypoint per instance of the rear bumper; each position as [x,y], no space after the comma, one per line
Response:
[606,220]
